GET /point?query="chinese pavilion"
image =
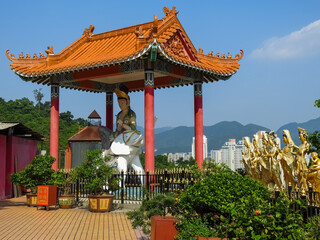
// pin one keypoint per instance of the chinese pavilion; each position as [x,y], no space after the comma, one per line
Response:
[144,57]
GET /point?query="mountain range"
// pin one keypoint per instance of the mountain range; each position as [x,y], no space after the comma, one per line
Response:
[179,139]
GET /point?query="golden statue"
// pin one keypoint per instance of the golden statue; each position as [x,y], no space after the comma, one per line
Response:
[256,163]
[273,154]
[247,155]
[313,176]
[287,160]
[270,171]
[300,159]
[282,168]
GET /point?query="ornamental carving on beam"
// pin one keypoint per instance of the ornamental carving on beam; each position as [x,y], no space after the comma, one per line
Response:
[175,46]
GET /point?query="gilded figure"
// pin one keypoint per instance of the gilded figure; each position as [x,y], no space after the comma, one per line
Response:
[313,176]
[300,159]
[287,159]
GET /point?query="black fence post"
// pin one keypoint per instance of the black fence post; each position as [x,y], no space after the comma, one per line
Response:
[77,190]
[305,211]
[148,183]
[290,191]
[122,187]
[277,193]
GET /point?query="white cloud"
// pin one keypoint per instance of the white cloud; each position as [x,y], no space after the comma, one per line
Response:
[302,43]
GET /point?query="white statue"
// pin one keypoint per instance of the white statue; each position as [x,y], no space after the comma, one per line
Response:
[126,140]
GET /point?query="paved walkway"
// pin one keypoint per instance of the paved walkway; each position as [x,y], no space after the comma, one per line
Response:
[17,221]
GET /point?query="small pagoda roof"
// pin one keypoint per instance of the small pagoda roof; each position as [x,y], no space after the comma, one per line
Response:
[97,62]
[94,115]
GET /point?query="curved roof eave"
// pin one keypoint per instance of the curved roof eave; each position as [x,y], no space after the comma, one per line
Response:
[134,57]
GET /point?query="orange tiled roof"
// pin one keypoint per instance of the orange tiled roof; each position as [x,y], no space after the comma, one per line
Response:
[92,51]
[89,133]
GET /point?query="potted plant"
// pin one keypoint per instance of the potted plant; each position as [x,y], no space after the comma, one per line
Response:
[64,180]
[99,180]
[155,215]
[38,172]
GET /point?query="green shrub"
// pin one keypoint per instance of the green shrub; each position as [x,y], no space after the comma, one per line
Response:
[38,172]
[226,204]
[159,205]
[97,174]
[312,228]
[64,180]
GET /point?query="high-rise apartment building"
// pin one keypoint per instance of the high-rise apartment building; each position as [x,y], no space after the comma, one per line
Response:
[230,154]
[205,147]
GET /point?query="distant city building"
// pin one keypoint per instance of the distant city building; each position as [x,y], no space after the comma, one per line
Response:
[230,154]
[216,155]
[227,153]
[240,147]
[173,157]
[205,147]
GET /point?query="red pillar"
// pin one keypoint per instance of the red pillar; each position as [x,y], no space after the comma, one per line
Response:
[54,125]
[149,119]
[109,110]
[198,123]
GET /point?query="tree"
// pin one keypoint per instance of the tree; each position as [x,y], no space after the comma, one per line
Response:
[314,138]
[66,116]
[38,119]
[38,95]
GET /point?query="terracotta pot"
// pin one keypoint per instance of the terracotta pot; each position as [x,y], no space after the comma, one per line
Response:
[66,201]
[210,238]
[100,203]
[163,227]
[31,199]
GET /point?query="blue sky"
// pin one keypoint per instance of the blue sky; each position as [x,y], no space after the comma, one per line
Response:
[277,82]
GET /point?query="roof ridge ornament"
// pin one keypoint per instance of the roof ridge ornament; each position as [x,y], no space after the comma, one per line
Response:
[155,26]
[88,32]
[239,56]
[169,12]
[49,50]
[10,56]
[22,56]
[138,32]
[140,38]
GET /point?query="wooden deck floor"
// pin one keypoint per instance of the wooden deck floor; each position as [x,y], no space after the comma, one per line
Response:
[17,221]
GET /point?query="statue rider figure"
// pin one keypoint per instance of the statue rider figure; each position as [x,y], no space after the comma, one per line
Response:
[126,140]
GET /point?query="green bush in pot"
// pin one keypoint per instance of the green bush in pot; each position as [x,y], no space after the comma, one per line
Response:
[38,172]
[98,178]
[64,180]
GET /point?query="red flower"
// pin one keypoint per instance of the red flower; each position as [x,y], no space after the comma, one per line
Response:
[216,216]
[232,224]
[270,216]
[257,212]
[177,199]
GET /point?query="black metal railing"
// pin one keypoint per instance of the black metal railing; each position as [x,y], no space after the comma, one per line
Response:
[135,186]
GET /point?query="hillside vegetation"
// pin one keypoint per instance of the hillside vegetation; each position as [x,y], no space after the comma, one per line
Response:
[37,117]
